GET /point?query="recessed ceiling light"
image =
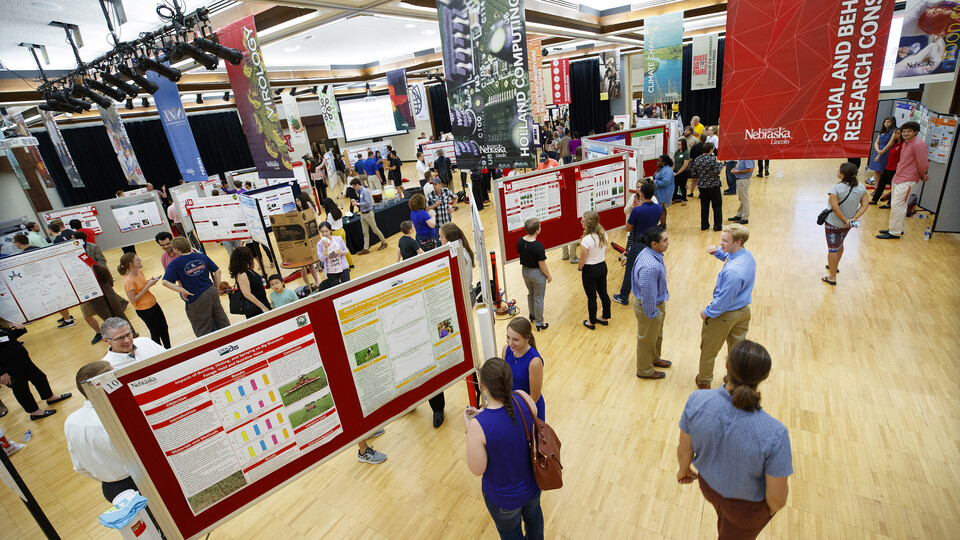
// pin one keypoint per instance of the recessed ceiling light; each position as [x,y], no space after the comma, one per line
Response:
[308,37]
[410,25]
[295,48]
[46,6]
[428,32]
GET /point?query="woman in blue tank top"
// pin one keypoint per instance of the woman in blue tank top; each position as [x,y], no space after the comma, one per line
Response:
[497,449]
[525,362]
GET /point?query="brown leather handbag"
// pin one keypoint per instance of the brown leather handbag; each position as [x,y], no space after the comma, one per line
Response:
[544,449]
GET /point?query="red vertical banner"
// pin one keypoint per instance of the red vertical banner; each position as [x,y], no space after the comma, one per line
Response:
[801,79]
[538,103]
[560,81]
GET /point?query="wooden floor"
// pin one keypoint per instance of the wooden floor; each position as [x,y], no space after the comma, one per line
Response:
[865,377]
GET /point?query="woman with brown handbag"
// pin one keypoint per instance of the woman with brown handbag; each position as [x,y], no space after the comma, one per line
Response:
[497,449]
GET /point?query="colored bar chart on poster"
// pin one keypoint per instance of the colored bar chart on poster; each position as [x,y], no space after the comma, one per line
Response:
[219,412]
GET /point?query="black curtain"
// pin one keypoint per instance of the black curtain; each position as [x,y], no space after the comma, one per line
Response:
[439,110]
[219,136]
[587,112]
[702,103]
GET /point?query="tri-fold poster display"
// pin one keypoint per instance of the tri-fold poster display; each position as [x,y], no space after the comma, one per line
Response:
[45,281]
[212,426]
[652,141]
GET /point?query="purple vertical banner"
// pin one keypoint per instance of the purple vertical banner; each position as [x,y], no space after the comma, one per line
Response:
[62,152]
[177,127]
[397,84]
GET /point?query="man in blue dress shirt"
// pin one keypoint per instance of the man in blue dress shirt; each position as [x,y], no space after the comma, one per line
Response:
[649,304]
[727,318]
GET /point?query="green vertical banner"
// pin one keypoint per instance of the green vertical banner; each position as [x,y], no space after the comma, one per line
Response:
[663,58]
[485,67]
[258,111]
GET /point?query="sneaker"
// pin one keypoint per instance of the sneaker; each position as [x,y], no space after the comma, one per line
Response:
[574,260]
[565,257]
[371,456]
[620,300]
[67,323]
[96,339]
[60,320]
[744,221]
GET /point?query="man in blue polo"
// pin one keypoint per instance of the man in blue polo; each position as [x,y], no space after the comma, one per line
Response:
[642,217]
[358,167]
[370,166]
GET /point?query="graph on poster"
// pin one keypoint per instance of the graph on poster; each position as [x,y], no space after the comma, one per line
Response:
[400,333]
[86,214]
[600,188]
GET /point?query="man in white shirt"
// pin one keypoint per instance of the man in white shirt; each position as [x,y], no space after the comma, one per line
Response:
[124,348]
[91,450]
[422,169]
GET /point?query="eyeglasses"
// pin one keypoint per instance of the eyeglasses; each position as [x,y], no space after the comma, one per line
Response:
[120,338]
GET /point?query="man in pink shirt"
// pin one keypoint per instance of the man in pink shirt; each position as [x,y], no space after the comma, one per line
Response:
[165,241]
[911,169]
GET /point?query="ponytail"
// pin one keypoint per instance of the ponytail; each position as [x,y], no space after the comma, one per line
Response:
[747,366]
[746,397]
[496,377]
[508,402]
[125,263]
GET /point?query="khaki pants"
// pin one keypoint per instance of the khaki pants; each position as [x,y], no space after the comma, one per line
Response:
[730,326]
[374,181]
[649,337]
[898,206]
[743,193]
[368,221]
[205,311]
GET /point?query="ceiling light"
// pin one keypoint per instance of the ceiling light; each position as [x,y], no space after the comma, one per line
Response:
[199,99]
[410,25]
[145,102]
[428,32]
[129,104]
[46,6]
[233,56]
[226,96]
[294,48]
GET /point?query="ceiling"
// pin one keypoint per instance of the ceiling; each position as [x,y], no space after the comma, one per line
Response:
[315,42]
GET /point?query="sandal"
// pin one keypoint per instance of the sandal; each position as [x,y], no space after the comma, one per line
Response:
[827,280]
[588,325]
[61,397]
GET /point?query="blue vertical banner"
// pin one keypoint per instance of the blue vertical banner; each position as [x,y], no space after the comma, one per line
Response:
[663,58]
[177,127]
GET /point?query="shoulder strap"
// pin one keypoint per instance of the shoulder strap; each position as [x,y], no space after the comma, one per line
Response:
[526,430]
[847,196]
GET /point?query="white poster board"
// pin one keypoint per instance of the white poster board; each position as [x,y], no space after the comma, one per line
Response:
[43,281]
[209,185]
[430,152]
[132,192]
[274,200]
[180,194]
[600,188]
[136,215]
[217,218]
[86,214]
[362,149]
[251,215]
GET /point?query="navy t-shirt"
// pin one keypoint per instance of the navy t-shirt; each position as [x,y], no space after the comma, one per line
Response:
[408,247]
[192,271]
[643,217]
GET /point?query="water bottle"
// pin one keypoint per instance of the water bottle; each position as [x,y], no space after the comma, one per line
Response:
[926,234]
[921,216]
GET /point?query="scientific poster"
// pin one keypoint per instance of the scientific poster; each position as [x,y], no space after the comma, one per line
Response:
[44,281]
[535,197]
[663,58]
[928,42]
[400,332]
[430,152]
[136,215]
[218,218]
[942,132]
[132,192]
[275,200]
[86,214]
[228,417]
[600,188]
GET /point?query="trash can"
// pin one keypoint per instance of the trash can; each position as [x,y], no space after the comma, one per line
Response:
[129,516]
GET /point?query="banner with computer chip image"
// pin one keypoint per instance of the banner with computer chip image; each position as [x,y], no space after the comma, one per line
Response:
[488,82]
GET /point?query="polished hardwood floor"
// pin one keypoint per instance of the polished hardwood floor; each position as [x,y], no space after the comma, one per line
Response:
[864,376]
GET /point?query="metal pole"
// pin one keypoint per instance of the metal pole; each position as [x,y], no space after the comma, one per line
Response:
[270,255]
[29,501]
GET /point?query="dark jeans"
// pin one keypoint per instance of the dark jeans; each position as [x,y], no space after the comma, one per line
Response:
[710,196]
[508,521]
[885,178]
[438,402]
[567,160]
[23,371]
[763,166]
[478,194]
[731,179]
[156,324]
[737,519]
[594,278]
[680,186]
[632,255]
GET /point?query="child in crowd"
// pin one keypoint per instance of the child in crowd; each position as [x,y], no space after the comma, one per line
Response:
[408,245]
[280,295]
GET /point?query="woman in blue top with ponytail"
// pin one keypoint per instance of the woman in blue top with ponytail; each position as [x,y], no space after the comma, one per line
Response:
[497,450]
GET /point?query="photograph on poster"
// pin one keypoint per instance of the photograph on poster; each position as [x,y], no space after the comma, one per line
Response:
[136,215]
[228,417]
[44,281]
[389,330]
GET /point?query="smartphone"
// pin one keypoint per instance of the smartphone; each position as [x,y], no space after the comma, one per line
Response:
[854,222]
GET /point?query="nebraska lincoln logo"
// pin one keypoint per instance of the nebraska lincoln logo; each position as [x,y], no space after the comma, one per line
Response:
[776,135]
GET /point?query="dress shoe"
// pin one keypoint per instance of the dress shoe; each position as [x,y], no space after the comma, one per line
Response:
[734,218]
[702,386]
[888,236]
[364,252]
[382,246]
[718,228]
[744,221]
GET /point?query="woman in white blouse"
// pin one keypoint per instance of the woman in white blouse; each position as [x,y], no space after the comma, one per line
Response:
[335,219]
[593,268]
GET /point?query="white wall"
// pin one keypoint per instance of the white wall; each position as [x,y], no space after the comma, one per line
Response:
[937,96]
[13,201]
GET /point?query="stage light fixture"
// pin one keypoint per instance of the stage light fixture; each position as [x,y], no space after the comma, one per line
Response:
[145,102]
[144,65]
[226,96]
[111,92]
[293,91]
[96,97]
[314,91]
[199,99]
[129,104]
[230,55]
[127,88]
[278,91]
[182,50]
[145,84]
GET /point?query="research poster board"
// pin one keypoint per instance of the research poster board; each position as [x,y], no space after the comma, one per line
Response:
[561,195]
[213,426]
[652,142]
[180,195]
[86,214]
[132,192]
[42,281]
[8,229]
[136,215]
[208,186]
[218,219]
[430,152]
[596,149]
[380,146]
[251,216]
[276,199]
[120,221]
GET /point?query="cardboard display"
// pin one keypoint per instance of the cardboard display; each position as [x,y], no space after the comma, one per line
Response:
[297,235]
[213,426]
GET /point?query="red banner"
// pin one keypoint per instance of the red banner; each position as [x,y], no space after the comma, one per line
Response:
[538,102]
[560,81]
[801,79]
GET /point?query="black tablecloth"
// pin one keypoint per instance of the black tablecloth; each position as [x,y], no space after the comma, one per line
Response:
[389,215]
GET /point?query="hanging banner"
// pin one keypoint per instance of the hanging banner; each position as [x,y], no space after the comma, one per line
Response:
[663,58]
[255,103]
[418,102]
[538,101]
[704,69]
[61,147]
[818,96]
[928,42]
[397,85]
[298,134]
[17,171]
[121,145]
[177,128]
[610,75]
[331,113]
[34,152]
[488,82]
[560,81]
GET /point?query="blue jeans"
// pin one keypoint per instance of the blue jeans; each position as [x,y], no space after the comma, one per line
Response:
[731,179]
[627,285]
[508,521]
